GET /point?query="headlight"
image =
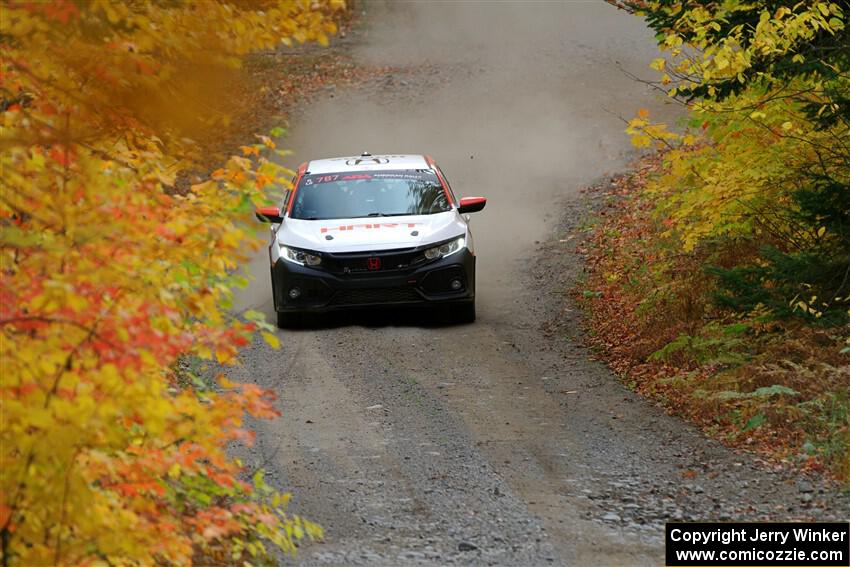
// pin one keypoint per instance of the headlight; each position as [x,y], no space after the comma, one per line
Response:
[446,248]
[302,257]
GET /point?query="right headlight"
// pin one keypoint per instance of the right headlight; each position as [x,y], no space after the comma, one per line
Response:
[301,257]
[446,248]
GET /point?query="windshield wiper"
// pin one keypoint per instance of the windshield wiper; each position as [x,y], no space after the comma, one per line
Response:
[388,214]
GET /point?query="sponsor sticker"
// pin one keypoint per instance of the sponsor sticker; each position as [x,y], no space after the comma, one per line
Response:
[367,226]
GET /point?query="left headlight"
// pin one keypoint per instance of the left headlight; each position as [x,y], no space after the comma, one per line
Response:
[301,257]
[446,248]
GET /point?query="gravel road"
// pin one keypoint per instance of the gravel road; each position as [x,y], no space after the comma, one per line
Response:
[414,442]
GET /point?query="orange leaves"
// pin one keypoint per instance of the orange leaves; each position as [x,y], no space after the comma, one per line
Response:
[267,142]
[5,514]
[63,155]
[258,402]
[112,273]
[216,522]
[60,10]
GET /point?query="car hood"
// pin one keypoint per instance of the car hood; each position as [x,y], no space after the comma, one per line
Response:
[366,234]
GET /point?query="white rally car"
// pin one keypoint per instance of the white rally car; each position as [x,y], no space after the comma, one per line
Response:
[368,231]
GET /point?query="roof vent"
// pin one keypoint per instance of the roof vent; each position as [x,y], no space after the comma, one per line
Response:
[365,154]
[367,161]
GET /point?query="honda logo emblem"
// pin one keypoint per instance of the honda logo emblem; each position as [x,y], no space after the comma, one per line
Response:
[373,263]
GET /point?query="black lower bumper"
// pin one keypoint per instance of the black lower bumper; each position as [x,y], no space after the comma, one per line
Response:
[319,290]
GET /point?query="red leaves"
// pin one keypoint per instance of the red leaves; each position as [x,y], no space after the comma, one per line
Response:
[63,155]
[623,258]
[60,10]
[144,68]
[215,523]
[188,454]
[246,436]
[258,402]
[220,478]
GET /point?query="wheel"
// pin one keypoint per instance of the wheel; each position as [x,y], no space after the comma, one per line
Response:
[465,312]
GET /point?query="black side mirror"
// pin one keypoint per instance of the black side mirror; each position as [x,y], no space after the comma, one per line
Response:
[471,204]
[269,214]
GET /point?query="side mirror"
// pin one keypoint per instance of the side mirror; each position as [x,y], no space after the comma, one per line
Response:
[269,214]
[471,204]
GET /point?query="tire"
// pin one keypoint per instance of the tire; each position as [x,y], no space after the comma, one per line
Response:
[288,320]
[465,312]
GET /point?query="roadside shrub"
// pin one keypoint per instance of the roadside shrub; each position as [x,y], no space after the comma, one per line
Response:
[739,315]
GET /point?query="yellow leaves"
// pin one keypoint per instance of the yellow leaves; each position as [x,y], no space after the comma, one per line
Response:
[644,133]
[267,142]
[115,12]
[110,277]
[781,12]
[224,356]
[40,418]
[55,296]
[271,339]
[639,140]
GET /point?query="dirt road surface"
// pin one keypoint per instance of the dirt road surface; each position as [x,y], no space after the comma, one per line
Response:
[499,443]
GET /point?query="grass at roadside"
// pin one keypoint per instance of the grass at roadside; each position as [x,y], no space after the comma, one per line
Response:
[779,388]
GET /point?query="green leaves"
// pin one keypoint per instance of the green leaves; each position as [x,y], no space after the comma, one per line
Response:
[754,423]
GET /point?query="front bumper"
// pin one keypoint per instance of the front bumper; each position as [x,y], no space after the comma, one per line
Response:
[321,290]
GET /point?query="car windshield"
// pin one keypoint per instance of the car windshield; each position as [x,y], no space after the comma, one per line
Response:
[369,194]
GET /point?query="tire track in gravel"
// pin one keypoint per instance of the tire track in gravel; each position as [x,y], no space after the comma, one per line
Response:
[419,443]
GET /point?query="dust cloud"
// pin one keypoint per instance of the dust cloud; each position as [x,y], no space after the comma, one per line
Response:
[527,107]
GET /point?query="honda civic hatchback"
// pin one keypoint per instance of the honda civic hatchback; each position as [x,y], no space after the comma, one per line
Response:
[368,231]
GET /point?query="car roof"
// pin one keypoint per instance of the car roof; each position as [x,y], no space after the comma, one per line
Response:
[368,162]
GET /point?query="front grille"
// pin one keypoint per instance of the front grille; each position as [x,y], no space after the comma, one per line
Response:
[359,262]
[375,295]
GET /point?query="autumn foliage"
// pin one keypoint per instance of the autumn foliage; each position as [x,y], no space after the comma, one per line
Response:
[111,271]
[720,281]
